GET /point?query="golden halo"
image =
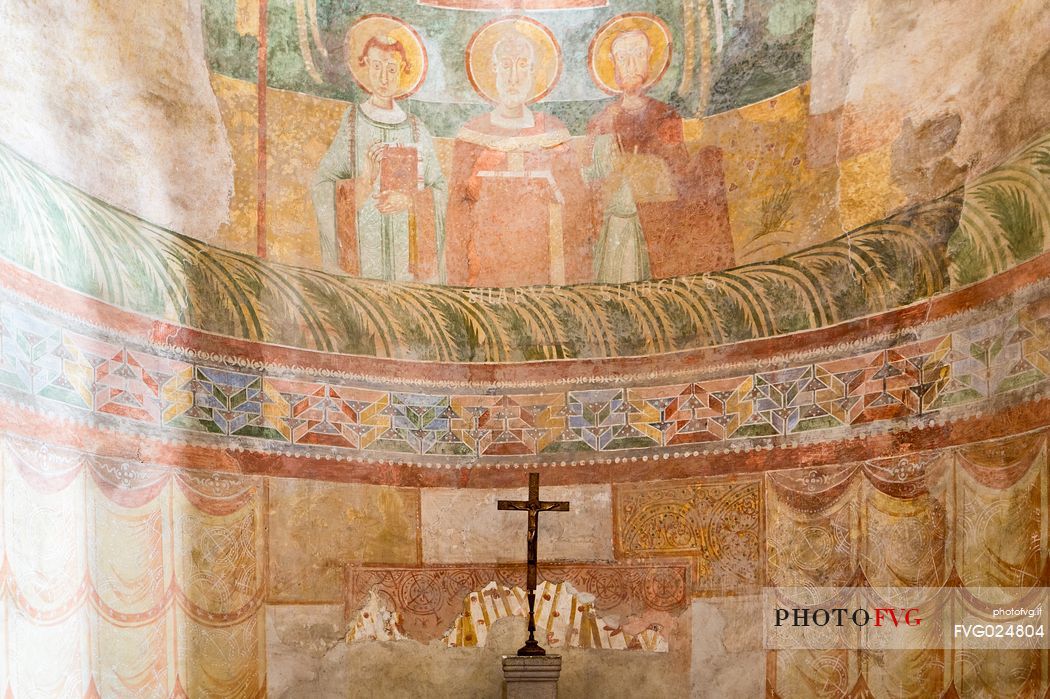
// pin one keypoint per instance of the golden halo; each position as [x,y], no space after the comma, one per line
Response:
[387,29]
[482,73]
[599,55]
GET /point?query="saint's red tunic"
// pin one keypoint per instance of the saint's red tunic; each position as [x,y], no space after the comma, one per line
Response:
[691,234]
[518,211]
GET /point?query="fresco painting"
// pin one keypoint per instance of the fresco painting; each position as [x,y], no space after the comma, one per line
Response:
[379,193]
[663,210]
[751,50]
[966,236]
[762,287]
[518,212]
[252,581]
[591,178]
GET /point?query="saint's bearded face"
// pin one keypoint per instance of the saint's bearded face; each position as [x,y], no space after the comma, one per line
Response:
[384,72]
[515,74]
[631,53]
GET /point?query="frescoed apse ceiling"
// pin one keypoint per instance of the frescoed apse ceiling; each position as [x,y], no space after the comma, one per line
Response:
[844,157]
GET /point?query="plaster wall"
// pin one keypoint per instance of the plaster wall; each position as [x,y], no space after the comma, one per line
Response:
[883,69]
[114,98]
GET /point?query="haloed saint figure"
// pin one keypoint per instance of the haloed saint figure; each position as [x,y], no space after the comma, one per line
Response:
[379,193]
[518,211]
[664,211]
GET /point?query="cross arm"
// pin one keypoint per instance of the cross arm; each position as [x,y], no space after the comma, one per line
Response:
[512,505]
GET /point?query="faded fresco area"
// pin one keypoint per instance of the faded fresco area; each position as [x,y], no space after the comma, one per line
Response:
[131,119]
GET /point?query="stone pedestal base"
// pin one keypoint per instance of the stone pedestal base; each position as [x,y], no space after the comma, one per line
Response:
[531,677]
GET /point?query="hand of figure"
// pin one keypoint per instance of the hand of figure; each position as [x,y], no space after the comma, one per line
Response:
[393,202]
[375,156]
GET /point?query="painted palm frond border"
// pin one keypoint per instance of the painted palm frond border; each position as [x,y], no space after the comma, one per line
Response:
[72,239]
[1004,218]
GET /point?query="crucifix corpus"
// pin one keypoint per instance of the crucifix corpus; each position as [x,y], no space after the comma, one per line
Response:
[534,506]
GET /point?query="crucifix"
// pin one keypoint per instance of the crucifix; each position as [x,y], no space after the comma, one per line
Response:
[534,506]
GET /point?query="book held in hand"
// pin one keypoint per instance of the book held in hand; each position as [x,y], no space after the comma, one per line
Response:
[399,170]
